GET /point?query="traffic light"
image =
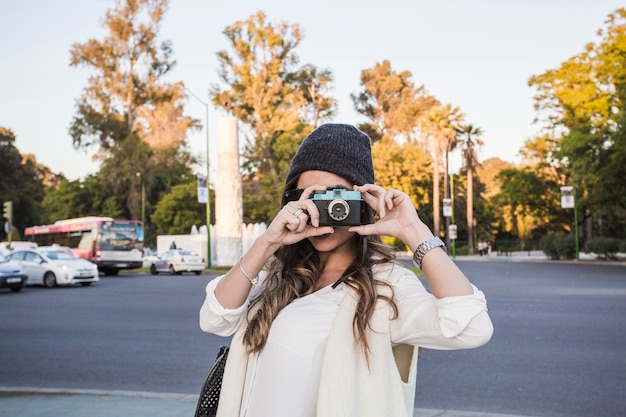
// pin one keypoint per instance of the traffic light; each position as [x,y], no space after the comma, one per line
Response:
[7,211]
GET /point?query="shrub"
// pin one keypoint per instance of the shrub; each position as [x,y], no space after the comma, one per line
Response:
[566,246]
[548,246]
[605,247]
[558,246]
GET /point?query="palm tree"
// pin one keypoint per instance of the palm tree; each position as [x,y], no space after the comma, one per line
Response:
[440,127]
[469,138]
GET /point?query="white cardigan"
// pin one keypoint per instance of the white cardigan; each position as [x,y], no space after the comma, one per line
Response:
[348,386]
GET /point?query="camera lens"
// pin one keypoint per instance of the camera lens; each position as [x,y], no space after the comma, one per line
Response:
[338,210]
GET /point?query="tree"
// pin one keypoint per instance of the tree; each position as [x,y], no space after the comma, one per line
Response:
[179,210]
[393,106]
[129,113]
[273,97]
[20,183]
[126,67]
[530,201]
[391,103]
[317,85]
[582,105]
[469,138]
[128,165]
[439,127]
[404,167]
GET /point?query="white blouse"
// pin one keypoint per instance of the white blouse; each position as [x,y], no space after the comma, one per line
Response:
[296,341]
[283,380]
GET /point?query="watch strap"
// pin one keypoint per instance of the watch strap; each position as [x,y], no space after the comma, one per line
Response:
[424,248]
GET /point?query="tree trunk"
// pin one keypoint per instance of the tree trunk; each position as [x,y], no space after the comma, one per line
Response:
[470,209]
[436,199]
[446,194]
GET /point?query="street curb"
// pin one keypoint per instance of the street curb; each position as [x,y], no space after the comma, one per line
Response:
[193,398]
[6,391]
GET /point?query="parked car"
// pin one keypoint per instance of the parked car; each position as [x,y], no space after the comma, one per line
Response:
[149,256]
[64,249]
[7,247]
[52,267]
[177,261]
[11,275]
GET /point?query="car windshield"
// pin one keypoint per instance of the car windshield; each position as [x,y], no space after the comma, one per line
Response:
[59,255]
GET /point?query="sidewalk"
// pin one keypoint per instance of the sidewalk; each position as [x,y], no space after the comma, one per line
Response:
[521,256]
[37,402]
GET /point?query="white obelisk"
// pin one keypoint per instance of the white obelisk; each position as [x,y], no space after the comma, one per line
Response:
[228,202]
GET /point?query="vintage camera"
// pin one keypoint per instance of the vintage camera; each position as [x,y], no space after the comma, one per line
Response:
[339,207]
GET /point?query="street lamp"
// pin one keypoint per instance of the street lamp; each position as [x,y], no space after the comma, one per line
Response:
[208,201]
[143,201]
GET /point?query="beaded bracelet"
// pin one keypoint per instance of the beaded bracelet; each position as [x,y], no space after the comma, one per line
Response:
[254,280]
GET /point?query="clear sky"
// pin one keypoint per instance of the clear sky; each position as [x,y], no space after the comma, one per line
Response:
[477,55]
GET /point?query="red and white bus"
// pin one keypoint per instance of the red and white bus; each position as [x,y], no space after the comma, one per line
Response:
[112,244]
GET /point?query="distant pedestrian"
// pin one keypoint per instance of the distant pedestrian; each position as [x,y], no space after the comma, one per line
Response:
[481,248]
[173,245]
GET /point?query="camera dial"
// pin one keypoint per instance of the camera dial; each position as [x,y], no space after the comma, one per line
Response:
[338,210]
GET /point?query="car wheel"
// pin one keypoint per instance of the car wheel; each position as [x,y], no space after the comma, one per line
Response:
[153,270]
[198,272]
[172,270]
[49,280]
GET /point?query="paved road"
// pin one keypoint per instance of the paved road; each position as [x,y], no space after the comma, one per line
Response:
[557,349]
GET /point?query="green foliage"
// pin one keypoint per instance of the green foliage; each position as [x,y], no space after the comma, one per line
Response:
[262,193]
[70,199]
[391,102]
[179,210]
[606,247]
[276,100]
[582,103]
[558,246]
[131,115]
[21,183]
[395,243]
[393,106]
[439,127]
[404,167]
[124,171]
[529,198]
[126,66]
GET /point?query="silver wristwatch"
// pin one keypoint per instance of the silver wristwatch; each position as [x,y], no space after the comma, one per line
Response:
[424,247]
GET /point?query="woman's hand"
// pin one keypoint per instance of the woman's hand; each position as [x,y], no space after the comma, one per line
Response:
[297,220]
[396,215]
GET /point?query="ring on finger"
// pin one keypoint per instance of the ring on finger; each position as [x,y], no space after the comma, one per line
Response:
[298,212]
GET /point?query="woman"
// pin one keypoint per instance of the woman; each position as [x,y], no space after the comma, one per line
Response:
[324,321]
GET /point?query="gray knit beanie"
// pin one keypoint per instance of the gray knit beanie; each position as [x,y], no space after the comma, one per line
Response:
[338,148]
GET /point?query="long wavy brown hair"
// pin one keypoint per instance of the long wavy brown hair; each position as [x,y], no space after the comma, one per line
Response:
[294,270]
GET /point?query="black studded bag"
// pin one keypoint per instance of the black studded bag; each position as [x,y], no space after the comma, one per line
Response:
[210,394]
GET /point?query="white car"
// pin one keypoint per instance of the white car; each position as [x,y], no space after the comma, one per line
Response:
[11,275]
[177,261]
[52,267]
